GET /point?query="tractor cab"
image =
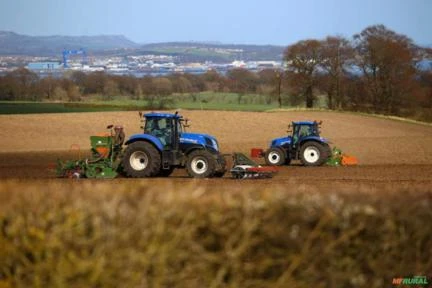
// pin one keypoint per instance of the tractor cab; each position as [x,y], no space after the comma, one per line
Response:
[170,130]
[165,127]
[301,130]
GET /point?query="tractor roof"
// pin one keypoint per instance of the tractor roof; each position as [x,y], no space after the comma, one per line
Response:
[304,122]
[161,115]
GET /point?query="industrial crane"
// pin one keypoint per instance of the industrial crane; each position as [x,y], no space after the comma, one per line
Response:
[67,53]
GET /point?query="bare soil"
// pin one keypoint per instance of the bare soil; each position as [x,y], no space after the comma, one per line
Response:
[390,153]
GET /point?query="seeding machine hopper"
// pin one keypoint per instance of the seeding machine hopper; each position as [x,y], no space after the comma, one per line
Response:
[104,161]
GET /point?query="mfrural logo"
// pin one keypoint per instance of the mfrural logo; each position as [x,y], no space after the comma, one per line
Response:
[421,281]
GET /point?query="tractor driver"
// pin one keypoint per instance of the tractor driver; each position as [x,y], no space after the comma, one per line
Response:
[305,130]
[300,132]
[161,129]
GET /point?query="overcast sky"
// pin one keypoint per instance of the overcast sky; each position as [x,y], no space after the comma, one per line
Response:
[279,22]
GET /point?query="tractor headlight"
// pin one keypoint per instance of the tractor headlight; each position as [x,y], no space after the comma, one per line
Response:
[215,145]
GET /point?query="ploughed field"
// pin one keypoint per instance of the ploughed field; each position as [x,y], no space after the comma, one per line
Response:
[390,152]
[356,226]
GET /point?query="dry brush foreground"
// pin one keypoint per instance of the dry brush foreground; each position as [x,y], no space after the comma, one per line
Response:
[138,234]
[307,227]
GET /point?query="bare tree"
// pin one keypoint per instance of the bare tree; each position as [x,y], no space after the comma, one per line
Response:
[387,61]
[110,89]
[242,81]
[47,86]
[302,62]
[270,84]
[95,83]
[180,84]
[162,86]
[337,54]
[26,82]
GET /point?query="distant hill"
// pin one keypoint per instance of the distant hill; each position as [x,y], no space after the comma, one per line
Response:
[52,46]
[200,52]
[15,44]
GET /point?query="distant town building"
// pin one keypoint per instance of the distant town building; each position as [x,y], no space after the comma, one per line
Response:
[238,64]
[44,66]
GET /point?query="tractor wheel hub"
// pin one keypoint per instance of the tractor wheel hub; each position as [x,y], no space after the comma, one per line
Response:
[139,160]
[274,157]
[199,166]
[311,154]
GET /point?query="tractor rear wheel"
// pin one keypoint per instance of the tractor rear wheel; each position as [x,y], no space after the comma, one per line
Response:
[313,154]
[201,164]
[141,159]
[275,157]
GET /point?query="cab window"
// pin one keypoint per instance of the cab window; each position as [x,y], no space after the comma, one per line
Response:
[160,128]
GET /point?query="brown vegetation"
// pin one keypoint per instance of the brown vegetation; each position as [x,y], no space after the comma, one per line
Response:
[154,234]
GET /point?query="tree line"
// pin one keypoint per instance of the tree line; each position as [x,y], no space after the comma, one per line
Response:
[378,70]
[23,84]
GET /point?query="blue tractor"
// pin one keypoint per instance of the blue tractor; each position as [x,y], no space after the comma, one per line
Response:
[304,144]
[165,145]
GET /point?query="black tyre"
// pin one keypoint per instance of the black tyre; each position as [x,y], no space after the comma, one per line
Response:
[328,150]
[201,164]
[219,174]
[240,173]
[275,157]
[165,172]
[313,153]
[141,159]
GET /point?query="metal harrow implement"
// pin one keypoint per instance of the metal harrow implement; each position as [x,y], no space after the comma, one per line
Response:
[245,168]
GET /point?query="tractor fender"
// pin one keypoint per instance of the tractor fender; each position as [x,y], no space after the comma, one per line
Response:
[192,147]
[320,140]
[146,137]
[282,143]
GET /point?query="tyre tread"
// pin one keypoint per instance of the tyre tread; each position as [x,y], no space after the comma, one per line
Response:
[211,162]
[153,167]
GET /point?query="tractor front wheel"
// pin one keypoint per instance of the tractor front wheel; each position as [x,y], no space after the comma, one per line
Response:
[201,164]
[141,159]
[275,157]
[313,154]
